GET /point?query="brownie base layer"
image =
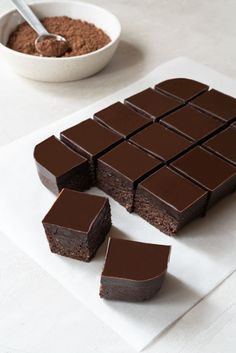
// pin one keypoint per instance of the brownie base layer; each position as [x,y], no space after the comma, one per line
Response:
[155,215]
[76,148]
[153,212]
[114,290]
[79,246]
[115,186]
[78,179]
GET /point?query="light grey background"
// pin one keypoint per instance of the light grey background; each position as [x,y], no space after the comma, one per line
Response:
[32,304]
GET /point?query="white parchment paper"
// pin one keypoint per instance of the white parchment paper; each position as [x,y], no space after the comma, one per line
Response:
[203,254]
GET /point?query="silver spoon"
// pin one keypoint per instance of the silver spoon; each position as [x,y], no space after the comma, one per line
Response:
[43,34]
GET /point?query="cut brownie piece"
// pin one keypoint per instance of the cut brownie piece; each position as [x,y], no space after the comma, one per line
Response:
[217,104]
[58,166]
[152,104]
[77,224]
[121,119]
[168,200]
[209,171]
[183,89]
[119,171]
[192,123]
[224,144]
[161,142]
[133,271]
[91,140]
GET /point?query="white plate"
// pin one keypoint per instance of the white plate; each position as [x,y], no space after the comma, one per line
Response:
[203,254]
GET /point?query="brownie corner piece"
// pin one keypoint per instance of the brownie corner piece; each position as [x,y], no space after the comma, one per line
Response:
[59,167]
[119,171]
[183,89]
[133,271]
[168,201]
[77,224]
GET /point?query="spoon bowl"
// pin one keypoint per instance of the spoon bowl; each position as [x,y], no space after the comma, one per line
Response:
[46,44]
[51,45]
[64,68]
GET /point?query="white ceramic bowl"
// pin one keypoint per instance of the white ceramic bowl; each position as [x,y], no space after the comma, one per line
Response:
[61,69]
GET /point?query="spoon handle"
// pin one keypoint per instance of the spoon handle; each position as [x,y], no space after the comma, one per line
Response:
[30,17]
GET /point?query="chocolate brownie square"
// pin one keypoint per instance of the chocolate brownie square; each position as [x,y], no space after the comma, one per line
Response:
[209,171]
[224,144]
[183,89]
[192,124]
[59,167]
[152,104]
[168,200]
[91,140]
[77,224]
[122,120]
[217,104]
[119,171]
[133,271]
[161,142]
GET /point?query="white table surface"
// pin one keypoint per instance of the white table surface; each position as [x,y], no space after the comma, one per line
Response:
[32,304]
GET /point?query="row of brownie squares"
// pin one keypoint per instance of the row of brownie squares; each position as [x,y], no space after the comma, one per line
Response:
[173,195]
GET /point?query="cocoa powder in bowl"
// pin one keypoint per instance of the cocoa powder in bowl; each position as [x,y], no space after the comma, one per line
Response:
[82,37]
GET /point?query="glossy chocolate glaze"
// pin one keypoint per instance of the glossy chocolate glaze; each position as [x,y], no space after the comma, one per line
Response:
[224,144]
[130,162]
[122,120]
[173,191]
[75,210]
[152,103]
[209,171]
[217,104]
[192,123]
[56,157]
[133,261]
[90,138]
[161,142]
[183,89]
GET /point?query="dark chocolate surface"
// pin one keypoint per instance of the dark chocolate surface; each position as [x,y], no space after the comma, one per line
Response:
[217,104]
[129,161]
[182,88]
[192,123]
[161,142]
[205,168]
[90,138]
[121,119]
[56,157]
[135,261]
[173,189]
[168,200]
[75,210]
[152,103]
[224,144]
